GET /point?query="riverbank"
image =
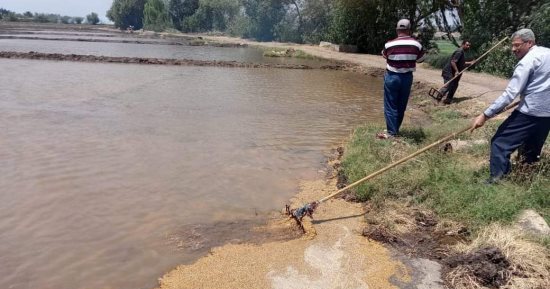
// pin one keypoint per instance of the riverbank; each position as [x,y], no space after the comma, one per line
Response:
[343,252]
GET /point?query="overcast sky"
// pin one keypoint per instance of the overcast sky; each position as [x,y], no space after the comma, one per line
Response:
[64,7]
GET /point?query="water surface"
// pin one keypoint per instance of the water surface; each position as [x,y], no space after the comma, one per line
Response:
[102,163]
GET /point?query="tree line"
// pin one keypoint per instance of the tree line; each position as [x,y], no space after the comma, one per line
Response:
[365,23]
[28,16]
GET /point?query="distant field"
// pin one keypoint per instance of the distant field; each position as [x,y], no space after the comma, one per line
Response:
[446,47]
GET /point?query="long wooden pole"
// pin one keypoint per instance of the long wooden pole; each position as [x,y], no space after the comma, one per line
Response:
[394,164]
[474,62]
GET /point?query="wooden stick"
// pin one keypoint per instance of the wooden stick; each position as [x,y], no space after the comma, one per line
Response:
[392,165]
[474,62]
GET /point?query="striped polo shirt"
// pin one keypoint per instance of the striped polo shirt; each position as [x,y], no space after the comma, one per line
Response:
[402,53]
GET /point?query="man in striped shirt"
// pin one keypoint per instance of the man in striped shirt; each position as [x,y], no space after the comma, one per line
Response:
[401,55]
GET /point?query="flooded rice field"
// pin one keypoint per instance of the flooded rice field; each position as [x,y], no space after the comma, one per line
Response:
[112,44]
[103,164]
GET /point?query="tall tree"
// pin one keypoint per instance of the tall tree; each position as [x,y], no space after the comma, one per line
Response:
[181,9]
[92,18]
[370,23]
[264,15]
[125,13]
[488,19]
[155,15]
[539,21]
[316,19]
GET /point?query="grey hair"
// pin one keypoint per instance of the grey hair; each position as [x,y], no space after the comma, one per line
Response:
[524,34]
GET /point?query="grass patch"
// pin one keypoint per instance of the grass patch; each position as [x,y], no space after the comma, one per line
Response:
[445,115]
[437,60]
[197,42]
[441,57]
[451,184]
[286,52]
[445,47]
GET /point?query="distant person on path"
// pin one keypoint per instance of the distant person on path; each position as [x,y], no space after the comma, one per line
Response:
[401,55]
[528,126]
[456,64]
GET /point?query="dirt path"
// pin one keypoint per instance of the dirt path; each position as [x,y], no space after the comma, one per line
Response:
[338,256]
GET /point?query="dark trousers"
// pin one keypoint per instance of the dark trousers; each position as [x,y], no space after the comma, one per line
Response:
[529,132]
[397,88]
[451,88]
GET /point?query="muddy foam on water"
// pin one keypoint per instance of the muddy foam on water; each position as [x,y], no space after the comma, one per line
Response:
[336,257]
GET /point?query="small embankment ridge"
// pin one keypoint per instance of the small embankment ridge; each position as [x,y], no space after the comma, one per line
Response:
[164,61]
[92,39]
[141,60]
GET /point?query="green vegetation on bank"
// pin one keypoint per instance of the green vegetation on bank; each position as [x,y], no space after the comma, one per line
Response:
[284,52]
[438,58]
[366,24]
[450,183]
[445,47]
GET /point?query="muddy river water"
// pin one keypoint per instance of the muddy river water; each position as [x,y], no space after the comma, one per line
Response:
[101,165]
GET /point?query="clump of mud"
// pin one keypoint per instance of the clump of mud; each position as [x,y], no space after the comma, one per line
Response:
[487,266]
[382,234]
[418,236]
[419,233]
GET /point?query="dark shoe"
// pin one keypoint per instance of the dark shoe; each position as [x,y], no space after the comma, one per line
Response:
[447,101]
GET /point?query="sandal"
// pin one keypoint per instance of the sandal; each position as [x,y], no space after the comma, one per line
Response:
[383,135]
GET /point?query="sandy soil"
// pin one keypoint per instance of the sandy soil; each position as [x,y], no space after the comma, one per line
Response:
[337,256]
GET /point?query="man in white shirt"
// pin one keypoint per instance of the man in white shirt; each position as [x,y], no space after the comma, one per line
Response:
[528,126]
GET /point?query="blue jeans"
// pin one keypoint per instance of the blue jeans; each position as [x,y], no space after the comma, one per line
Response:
[397,88]
[518,131]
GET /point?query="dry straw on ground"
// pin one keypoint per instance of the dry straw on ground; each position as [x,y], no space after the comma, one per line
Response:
[529,262]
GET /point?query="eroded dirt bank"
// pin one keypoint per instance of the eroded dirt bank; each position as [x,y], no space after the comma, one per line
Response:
[141,60]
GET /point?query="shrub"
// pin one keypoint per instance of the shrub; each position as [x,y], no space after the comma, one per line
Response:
[501,61]
[437,60]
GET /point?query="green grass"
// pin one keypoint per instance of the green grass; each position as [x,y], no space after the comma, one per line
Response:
[437,60]
[283,52]
[545,242]
[445,47]
[440,59]
[197,42]
[445,115]
[451,184]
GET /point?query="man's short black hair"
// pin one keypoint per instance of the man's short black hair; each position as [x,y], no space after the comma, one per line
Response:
[466,40]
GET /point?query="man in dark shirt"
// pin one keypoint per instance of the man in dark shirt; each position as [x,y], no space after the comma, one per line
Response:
[456,64]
